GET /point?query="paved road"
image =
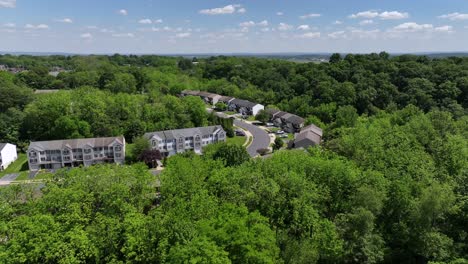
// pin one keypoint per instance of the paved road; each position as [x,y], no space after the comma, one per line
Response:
[261,139]
[7,179]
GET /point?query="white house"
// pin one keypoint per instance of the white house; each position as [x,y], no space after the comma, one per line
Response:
[7,155]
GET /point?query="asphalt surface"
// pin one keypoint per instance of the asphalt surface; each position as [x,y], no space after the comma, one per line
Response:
[7,179]
[260,140]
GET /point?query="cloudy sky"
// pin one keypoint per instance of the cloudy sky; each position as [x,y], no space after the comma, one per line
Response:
[209,26]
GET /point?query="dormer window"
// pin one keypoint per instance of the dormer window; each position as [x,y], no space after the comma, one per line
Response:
[181,140]
[118,148]
[32,154]
[221,135]
[66,152]
[197,138]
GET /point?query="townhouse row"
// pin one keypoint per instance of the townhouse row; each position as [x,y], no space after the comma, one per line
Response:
[57,154]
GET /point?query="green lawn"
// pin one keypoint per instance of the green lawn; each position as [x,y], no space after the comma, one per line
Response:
[24,175]
[251,118]
[238,140]
[21,164]
[230,112]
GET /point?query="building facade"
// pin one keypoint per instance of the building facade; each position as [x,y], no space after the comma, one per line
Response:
[171,142]
[8,155]
[58,154]
[288,122]
[308,137]
[245,107]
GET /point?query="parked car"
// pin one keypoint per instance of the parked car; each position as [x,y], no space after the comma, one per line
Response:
[283,136]
[270,124]
[280,132]
[240,133]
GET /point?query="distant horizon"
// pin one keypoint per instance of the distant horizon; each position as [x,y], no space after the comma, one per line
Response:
[279,53]
[233,27]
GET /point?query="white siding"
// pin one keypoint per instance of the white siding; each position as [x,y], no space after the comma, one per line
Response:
[257,109]
[8,155]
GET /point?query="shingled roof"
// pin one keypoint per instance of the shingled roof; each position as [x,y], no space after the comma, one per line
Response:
[75,143]
[243,103]
[186,132]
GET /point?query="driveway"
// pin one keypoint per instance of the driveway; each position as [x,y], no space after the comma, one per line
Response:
[7,179]
[261,139]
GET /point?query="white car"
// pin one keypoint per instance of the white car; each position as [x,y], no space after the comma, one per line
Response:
[270,124]
[279,132]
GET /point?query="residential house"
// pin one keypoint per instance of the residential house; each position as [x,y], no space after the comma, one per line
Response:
[245,107]
[171,142]
[288,122]
[210,98]
[7,155]
[190,93]
[75,152]
[309,136]
[226,99]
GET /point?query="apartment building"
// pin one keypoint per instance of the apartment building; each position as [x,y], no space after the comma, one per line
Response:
[171,142]
[75,152]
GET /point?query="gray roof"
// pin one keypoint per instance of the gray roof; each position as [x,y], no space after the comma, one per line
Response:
[75,143]
[190,92]
[307,138]
[2,145]
[317,130]
[207,94]
[186,132]
[243,103]
[226,99]
[294,119]
[272,111]
[280,114]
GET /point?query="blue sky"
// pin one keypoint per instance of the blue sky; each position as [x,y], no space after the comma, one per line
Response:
[209,26]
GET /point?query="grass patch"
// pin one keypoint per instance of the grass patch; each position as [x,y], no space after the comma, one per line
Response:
[23,176]
[251,118]
[20,164]
[291,136]
[44,176]
[237,140]
[273,129]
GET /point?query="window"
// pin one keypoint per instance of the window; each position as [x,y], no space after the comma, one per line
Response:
[33,160]
[32,154]
[43,159]
[197,138]
[88,157]
[66,152]
[154,143]
[181,140]
[118,148]
[87,151]
[118,155]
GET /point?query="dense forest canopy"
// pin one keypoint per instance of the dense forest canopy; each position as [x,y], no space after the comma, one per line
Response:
[388,184]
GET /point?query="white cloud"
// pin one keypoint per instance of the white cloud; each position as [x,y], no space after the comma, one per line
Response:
[393,15]
[40,26]
[9,25]
[365,14]
[124,35]
[92,27]
[279,13]
[337,34]
[241,10]
[265,29]
[310,16]
[86,36]
[247,24]
[263,23]
[183,35]
[455,16]
[444,29]
[412,27]
[229,9]
[386,15]
[303,27]
[366,22]
[8,3]
[145,21]
[65,20]
[337,22]
[310,35]
[123,12]
[284,27]
[157,21]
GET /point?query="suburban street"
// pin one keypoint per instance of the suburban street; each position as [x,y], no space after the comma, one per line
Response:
[261,139]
